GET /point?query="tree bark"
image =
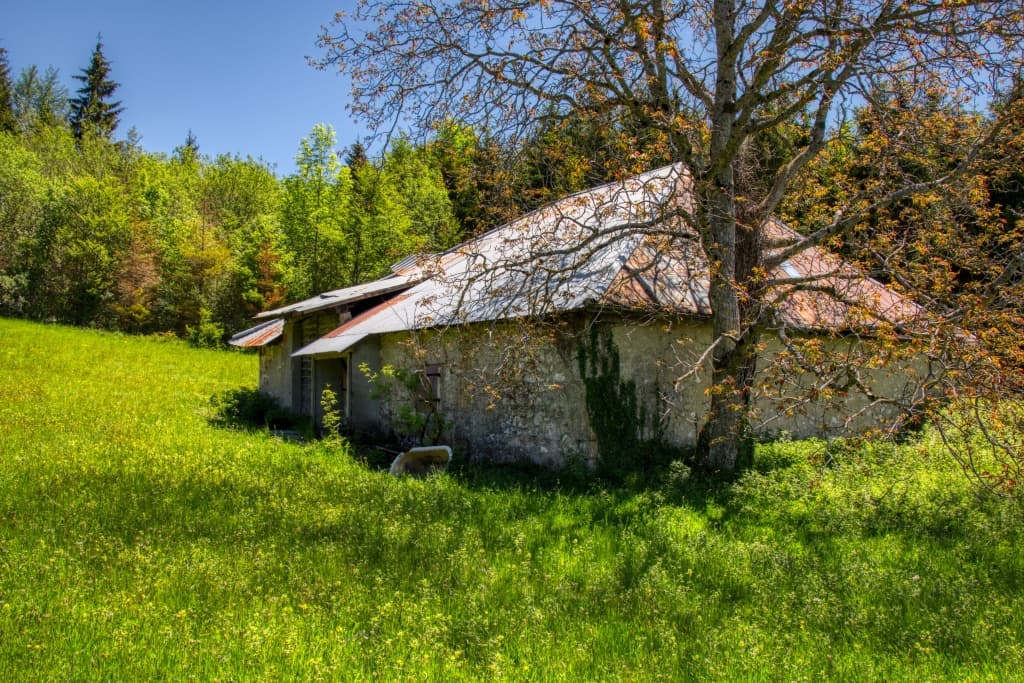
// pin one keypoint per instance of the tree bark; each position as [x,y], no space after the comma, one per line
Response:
[724,438]
[724,442]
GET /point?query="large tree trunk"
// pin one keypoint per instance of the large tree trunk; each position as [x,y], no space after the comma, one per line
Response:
[733,246]
[732,251]
[725,442]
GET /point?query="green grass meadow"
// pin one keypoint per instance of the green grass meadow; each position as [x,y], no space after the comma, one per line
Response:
[140,542]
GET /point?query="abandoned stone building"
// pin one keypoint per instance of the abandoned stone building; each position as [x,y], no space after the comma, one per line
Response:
[489,342]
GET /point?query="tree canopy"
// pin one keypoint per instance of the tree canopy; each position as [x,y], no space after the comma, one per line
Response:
[101,233]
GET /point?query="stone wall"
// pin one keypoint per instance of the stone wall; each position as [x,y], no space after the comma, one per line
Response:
[510,399]
[502,405]
[795,405]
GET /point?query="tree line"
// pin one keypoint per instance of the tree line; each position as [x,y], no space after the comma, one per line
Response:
[97,231]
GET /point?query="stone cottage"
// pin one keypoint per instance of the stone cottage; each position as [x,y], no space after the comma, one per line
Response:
[491,342]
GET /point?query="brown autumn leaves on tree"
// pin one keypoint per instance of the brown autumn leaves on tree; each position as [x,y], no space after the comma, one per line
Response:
[710,84]
[955,248]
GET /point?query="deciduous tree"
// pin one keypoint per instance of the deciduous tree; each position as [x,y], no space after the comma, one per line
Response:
[706,82]
[23,191]
[315,199]
[415,175]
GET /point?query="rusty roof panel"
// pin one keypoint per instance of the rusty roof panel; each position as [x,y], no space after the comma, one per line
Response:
[663,274]
[350,332]
[260,335]
[816,289]
[831,293]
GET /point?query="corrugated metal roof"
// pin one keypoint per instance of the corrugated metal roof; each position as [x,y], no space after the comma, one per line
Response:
[337,297]
[410,264]
[609,246]
[833,294]
[672,273]
[260,335]
[663,273]
[343,338]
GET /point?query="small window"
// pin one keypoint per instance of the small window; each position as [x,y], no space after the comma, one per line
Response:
[432,383]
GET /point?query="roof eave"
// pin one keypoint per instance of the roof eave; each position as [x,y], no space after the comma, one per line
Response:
[296,310]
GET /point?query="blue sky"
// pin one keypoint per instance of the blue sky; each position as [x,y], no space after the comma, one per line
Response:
[234,72]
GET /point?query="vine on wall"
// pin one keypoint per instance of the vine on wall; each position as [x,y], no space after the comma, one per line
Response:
[630,434]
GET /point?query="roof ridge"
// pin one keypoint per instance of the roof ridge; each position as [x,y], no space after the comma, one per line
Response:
[678,167]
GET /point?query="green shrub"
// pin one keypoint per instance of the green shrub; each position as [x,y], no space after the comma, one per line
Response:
[244,407]
[207,334]
[332,422]
[417,419]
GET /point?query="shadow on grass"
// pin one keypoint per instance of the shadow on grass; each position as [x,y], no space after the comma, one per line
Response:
[613,500]
[783,477]
[658,471]
[249,409]
[664,478]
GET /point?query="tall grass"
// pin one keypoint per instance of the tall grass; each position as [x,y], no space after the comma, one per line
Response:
[138,541]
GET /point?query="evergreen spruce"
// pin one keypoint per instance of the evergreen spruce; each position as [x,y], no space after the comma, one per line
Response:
[192,143]
[92,110]
[356,157]
[7,120]
[188,151]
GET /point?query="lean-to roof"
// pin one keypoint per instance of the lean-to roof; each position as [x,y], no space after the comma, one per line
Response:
[338,297]
[260,335]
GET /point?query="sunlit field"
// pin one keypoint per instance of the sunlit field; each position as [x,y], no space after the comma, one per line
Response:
[140,541]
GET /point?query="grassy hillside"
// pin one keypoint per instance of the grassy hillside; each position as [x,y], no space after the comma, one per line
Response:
[137,541]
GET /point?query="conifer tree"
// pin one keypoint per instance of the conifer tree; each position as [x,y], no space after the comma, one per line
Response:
[7,121]
[188,151]
[356,157]
[92,110]
[192,142]
[40,99]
